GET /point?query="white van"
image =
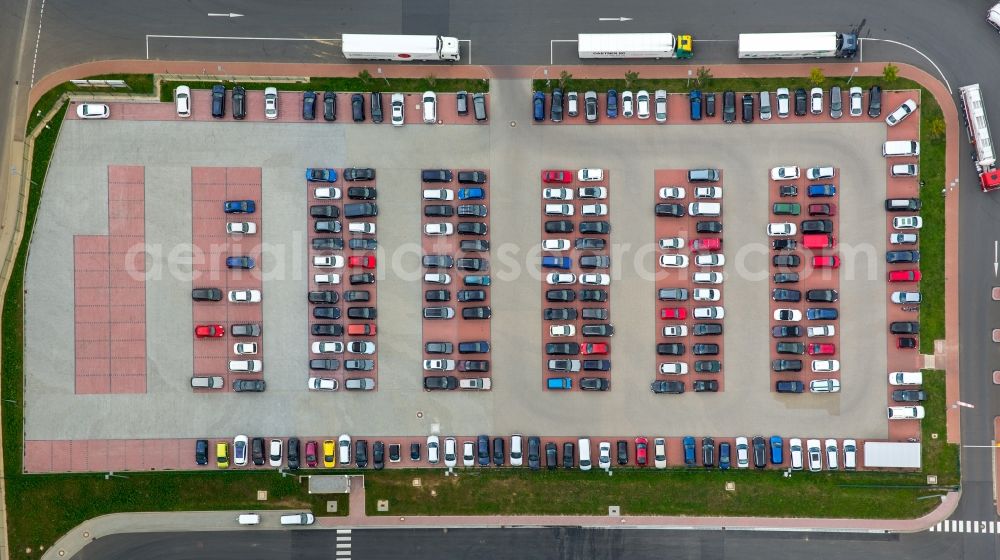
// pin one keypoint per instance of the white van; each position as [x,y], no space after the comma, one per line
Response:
[898,148]
[182,95]
[705,209]
[583,444]
[430,107]
[248,519]
[298,519]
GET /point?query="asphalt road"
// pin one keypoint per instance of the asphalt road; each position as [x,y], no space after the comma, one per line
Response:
[951,32]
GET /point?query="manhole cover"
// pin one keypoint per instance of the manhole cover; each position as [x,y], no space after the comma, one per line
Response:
[383,505]
[614,511]
[331,506]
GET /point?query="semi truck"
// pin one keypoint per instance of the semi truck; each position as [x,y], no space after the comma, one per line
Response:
[978,128]
[823,44]
[634,45]
[993,16]
[399,47]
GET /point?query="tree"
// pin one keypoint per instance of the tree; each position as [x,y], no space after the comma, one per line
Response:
[890,72]
[365,76]
[816,77]
[630,78]
[565,78]
[704,76]
[937,129]
[431,80]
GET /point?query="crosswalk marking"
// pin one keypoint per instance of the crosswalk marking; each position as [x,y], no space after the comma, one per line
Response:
[966,526]
[346,553]
[343,538]
[343,544]
[343,531]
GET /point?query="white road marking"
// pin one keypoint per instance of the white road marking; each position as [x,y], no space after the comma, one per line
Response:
[914,49]
[215,37]
[38,39]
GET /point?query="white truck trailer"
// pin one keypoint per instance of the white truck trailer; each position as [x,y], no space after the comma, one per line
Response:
[633,45]
[399,47]
[823,44]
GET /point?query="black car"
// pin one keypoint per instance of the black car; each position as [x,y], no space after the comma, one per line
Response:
[828,296]
[309,105]
[328,243]
[324,365]
[710,226]
[874,102]
[472,264]
[462,103]
[359,174]
[747,107]
[789,261]
[594,384]
[439,347]
[357,295]
[786,331]
[661,386]
[361,453]
[708,451]
[378,455]
[257,450]
[589,243]
[498,451]
[598,330]
[594,314]
[438,261]
[559,314]
[622,452]
[201,452]
[597,365]
[472,177]
[594,295]
[707,366]
[709,104]
[797,348]
[800,102]
[562,348]
[559,226]
[702,349]
[478,313]
[786,277]
[363,244]
[904,327]
[595,261]
[556,110]
[440,383]
[705,386]
[438,211]
[436,176]
[324,211]
[670,349]
[474,245]
[472,211]
[206,294]
[358,107]
[327,329]
[482,366]
[669,210]
[729,107]
[788,191]
[218,101]
[534,453]
[784,244]
[324,296]
[361,209]
[560,295]
[786,365]
[899,395]
[293,453]
[551,455]
[415,451]
[330,313]
[239,102]
[759,452]
[569,455]
[244,330]
[362,278]
[781,294]
[361,312]
[817,226]
[326,226]
[706,329]
[330,106]
[902,256]
[376,107]
[471,295]
[599,227]
[471,228]
[362,193]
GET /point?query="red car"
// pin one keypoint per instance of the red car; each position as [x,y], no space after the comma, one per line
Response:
[822,209]
[673,313]
[557,176]
[592,348]
[904,276]
[312,454]
[641,444]
[209,331]
[710,244]
[367,261]
[361,329]
[906,342]
[817,349]
[826,262]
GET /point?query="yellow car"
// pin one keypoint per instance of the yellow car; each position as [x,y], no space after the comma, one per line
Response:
[222,455]
[329,452]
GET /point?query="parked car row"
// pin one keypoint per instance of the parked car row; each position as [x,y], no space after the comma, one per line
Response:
[903,263]
[906,395]
[640,105]
[343,273]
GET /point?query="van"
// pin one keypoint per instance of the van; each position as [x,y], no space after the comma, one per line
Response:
[182,95]
[583,445]
[705,209]
[817,241]
[703,175]
[479,106]
[248,519]
[298,519]
[214,382]
[557,383]
[898,148]
[765,106]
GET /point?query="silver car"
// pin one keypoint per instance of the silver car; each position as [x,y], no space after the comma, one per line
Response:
[836,103]
[271,103]
[782,97]
[590,106]
[660,102]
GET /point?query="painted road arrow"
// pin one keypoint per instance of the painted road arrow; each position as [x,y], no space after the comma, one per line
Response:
[996,263]
[229,15]
[614,19]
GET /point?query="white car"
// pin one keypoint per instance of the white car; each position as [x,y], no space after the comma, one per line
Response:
[673,368]
[93,111]
[439,365]
[673,261]
[707,278]
[557,194]
[905,297]
[468,454]
[850,454]
[595,279]
[901,113]
[907,222]
[782,97]
[322,384]
[433,449]
[905,412]
[555,245]
[569,366]
[906,378]
[815,454]
[742,453]
[329,261]
[832,454]
[785,172]
[516,450]
[795,453]
[554,278]
[708,192]
[182,97]
[672,193]
[439,194]
[556,331]
[855,94]
[816,100]
[245,348]
[241,450]
[599,193]
[450,452]
[785,314]
[246,366]
[558,209]
[671,243]
[675,330]
[366,347]
[590,174]
[324,193]
[244,228]
[628,110]
[782,229]
[716,312]
[476,383]
[661,105]
[336,347]
[398,112]
[430,107]
[902,238]
[270,103]
[604,455]
[244,296]
[825,366]
[825,172]
[326,278]
[711,259]
[442,228]
[642,104]
[706,294]
[437,278]
[904,170]
[825,330]
[824,386]
[660,453]
[274,453]
[594,210]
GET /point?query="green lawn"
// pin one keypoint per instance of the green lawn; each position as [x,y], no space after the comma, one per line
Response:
[471,85]
[939,457]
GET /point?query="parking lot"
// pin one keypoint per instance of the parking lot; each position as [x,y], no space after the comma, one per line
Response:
[76,204]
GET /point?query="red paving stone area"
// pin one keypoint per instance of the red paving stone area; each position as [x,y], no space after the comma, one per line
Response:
[457,329]
[210,188]
[110,292]
[668,277]
[574,254]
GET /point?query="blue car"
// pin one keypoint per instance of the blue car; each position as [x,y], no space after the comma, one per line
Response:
[477,281]
[239,262]
[321,175]
[559,383]
[471,194]
[821,314]
[724,457]
[557,262]
[690,458]
[777,451]
[612,109]
[239,207]
[539,103]
[695,97]
[822,190]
